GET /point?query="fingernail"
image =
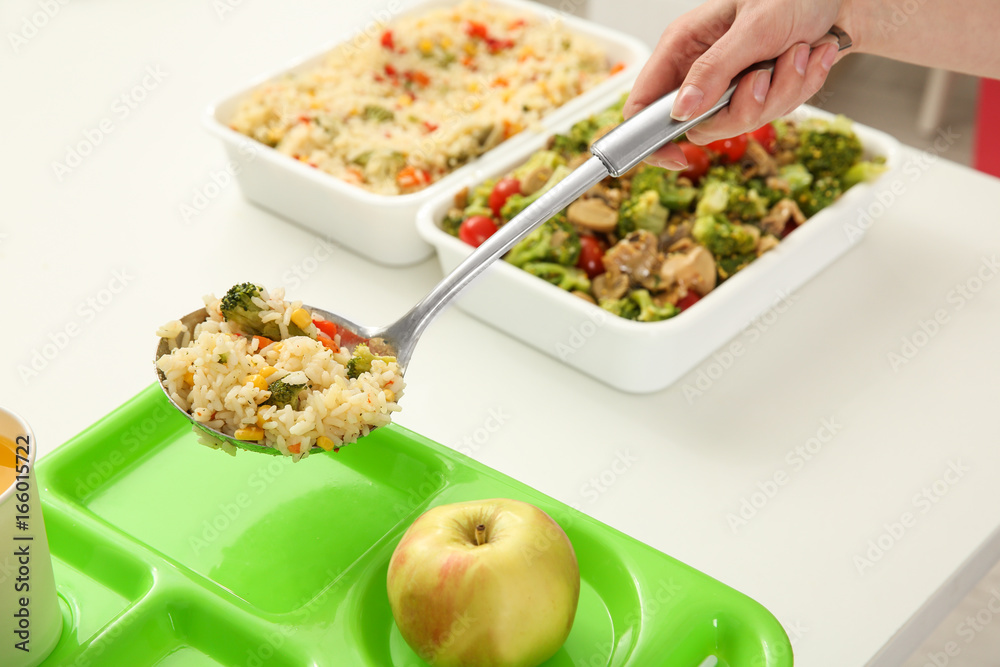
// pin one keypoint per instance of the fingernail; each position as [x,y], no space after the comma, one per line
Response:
[829,57]
[674,165]
[801,58]
[761,82]
[686,102]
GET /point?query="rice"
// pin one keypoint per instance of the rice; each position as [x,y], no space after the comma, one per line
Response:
[210,372]
[395,114]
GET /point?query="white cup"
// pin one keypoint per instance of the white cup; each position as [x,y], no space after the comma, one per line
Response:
[30,619]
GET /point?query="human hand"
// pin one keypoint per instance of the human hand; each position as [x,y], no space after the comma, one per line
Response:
[710,45]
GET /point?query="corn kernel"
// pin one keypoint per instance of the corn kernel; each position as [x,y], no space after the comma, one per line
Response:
[301,318]
[446,42]
[473,86]
[404,100]
[268,371]
[390,395]
[325,443]
[250,433]
[470,48]
[189,378]
[257,381]
[426,46]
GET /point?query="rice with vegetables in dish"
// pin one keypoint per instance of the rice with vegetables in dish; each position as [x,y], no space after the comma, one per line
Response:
[650,244]
[396,113]
[269,372]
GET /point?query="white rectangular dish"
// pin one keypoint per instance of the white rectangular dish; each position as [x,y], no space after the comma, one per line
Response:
[643,357]
[381,227]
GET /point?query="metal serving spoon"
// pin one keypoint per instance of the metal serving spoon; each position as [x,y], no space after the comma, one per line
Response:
[613,155]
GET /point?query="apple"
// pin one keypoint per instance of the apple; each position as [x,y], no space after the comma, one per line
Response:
[486,583]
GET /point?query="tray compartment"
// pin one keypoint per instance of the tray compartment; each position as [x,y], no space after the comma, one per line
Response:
[286,583]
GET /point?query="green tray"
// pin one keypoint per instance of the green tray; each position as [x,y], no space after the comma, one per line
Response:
[168,553]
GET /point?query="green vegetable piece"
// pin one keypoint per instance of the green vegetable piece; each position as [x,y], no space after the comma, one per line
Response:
[828,148]
[648,310]
[824,191]
[747,204]
[797,177]
[722,237]
[625,308]
[727,266]
[283,394]
[642,211]
[239,309]
[568,278]
[361,361]
[714,198]
[863,172]
[378,114]
[544,158]
[555,241]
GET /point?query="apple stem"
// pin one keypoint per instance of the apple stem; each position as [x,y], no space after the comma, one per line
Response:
[480,535]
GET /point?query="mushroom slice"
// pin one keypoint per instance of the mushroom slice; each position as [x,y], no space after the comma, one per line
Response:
[593,214]
[693,270]
[535,179]
[786,209]
[610,285]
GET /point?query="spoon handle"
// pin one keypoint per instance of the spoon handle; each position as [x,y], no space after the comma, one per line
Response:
[409,327]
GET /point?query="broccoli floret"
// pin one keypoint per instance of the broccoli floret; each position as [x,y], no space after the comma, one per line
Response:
[238,308]
[452,222]
[550,159]
[714,198]
[361,361]
[731,174]
[518,202]
[625,308]
[797,177]
[555,241]
[283,393]
[642,211]
[770,195]
[727,266]
[747,204]
[828,148]
[568,278]
[649,311]
[578,139]
[664,183]
[863,172]
[824,191]
[722,237]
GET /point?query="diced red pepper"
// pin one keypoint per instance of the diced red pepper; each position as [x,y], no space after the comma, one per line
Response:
[387,40]
[329,328]
[418,78]
[618,67]
[430,127]
[475,29]
[390,70]
[262,342]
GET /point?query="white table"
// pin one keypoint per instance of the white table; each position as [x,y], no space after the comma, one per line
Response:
[93,263]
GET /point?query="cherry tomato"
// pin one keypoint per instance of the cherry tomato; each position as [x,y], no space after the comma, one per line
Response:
[790,227]
[476,229]
[591,256]
[697,161]
[766,136]
[502,192]
[731,149]
[689,300]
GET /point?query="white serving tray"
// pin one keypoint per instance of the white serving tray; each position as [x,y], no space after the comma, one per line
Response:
[643,357]
[382,227]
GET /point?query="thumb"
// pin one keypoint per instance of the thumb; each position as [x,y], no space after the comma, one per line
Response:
[711,74]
